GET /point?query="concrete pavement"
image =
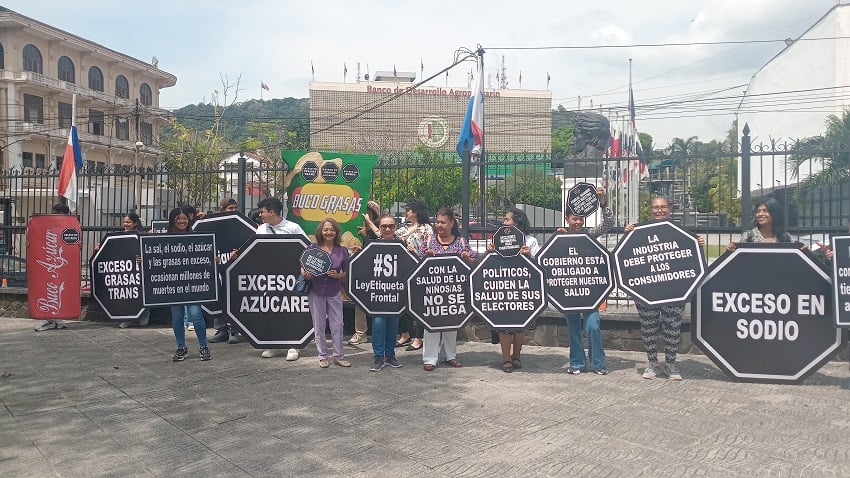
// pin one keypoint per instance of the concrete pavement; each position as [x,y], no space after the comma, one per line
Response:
[95,400]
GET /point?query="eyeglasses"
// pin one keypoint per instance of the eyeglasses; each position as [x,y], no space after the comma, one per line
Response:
[387,226]
[660,208]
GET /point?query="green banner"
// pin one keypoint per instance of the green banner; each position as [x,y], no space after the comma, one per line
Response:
[335,185]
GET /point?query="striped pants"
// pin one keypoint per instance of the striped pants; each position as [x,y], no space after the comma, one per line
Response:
[666,319]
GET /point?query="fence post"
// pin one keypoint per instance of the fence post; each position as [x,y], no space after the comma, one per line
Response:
[240,179]
[746,200]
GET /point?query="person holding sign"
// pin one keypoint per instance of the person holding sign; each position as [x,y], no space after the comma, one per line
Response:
[768,224]
[447,240]
[416,213]
[385,327]
[178,223]
[274,223]
[326,293]
[578,359]
[515,337]
[666,318]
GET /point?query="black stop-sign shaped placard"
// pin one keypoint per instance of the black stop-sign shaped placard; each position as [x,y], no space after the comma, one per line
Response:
[578,271]
[231,230]
[582,200]
[659,263]
[508,240]
[260,297]
[841,279]
[763,313]
[377,277]
[507,291]
[116,278]
[437,293]
[316,261]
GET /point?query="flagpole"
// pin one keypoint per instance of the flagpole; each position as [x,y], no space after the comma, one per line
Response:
[74,125]
[482,169]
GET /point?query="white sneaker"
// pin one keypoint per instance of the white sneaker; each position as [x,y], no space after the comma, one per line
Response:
[125,324]
[271,353]
[46,325]
[292,355]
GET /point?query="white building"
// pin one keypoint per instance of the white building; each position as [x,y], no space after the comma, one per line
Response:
[790,97]
[41,67]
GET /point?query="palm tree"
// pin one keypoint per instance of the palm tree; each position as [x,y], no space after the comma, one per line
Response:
[680,149]
[826,158]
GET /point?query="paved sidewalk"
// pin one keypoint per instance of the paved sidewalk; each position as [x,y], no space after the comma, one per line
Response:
[95,400]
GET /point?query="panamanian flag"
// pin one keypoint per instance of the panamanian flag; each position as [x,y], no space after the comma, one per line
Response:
[471,141]
[71,162]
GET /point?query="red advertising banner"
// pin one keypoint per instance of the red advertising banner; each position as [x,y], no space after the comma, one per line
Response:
[53,267]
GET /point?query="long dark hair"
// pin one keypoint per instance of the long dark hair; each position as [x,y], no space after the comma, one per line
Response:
[448,212]
[776,216]
[135,219]
[521,221]
[172,218]
[420,209]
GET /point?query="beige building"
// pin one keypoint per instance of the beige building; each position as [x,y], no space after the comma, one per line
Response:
[357,117]
[41,67]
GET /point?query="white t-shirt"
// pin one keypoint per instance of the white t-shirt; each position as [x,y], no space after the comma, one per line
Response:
[283,227]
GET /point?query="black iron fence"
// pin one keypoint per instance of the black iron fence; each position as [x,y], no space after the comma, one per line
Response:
[706,186]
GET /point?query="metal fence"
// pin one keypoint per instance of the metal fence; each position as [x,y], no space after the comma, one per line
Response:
[704,185]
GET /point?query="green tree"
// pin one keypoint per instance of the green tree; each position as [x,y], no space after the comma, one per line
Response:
[646,145]
[535,187]
[827,155]
[186,150]
[562,139]
[431,176]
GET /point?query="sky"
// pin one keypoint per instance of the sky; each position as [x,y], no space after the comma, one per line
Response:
[275,42]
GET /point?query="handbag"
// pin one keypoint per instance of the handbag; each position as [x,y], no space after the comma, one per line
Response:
[302,285]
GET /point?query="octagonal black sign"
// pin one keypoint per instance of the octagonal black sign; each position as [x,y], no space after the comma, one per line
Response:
[841,279]
[659,263]
[260,297]
[756,323]
[507,291]
[508,240]
[437,293]
[578,272]
[316,261]
[116,276]
[377,277]
[582,200]
[231,230]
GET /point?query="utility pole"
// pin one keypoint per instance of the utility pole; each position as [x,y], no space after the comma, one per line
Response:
[137,114]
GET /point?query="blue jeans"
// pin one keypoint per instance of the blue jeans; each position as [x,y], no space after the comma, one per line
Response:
[384,332]
[195,316]
[594,340]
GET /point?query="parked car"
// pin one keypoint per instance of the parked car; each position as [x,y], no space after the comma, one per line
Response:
[14,270]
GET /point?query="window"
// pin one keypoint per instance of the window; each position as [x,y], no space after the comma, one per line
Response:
[65,112]
[39,161]
[29,160]
[33,109]
[2,57]
[58,161]
[26,159]
[32,59]
[96,122]
[146,133]
[95,79]
[122,128]
[66,70]
[145,95]
[122,87]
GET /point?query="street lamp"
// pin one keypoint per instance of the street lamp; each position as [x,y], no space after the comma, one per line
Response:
[139,145]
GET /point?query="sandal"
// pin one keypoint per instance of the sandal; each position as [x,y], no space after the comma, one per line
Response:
[507,366]
[517,363]
[403,343]
[429,367]
[412,347]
